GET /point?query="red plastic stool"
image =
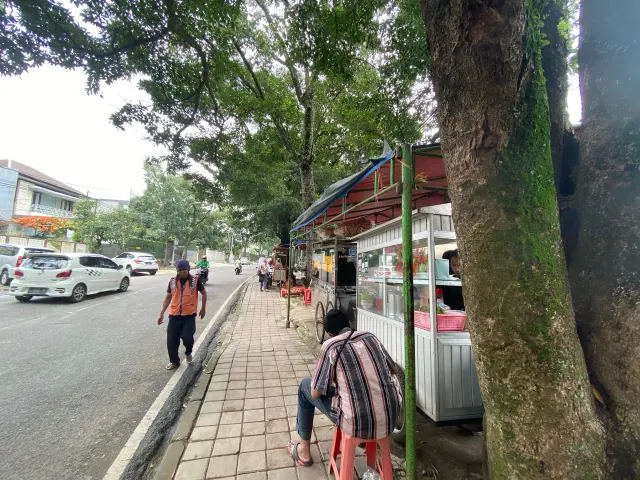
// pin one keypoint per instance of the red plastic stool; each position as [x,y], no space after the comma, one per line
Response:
[345,445]
[306,299]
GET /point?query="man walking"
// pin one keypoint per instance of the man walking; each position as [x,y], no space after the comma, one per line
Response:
[182,297]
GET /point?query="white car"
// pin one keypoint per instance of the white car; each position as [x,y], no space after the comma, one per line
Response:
[137,262]
[244,261]
[67,275]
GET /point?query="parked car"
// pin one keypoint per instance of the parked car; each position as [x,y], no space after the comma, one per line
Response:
[68,275]
[244,261]
[137,262]
[12,256]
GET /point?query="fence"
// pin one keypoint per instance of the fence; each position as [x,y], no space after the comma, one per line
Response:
[61,246]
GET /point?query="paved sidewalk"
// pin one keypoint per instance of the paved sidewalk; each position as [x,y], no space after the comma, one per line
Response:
[249,412]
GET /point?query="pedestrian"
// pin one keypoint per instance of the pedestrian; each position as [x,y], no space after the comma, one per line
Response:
[264,276]
[182,301]
[260,262]
[352,385]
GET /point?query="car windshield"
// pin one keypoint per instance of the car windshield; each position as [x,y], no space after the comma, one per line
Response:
[46,263]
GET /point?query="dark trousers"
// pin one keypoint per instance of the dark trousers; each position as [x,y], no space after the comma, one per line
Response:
[306,408]
[180,327]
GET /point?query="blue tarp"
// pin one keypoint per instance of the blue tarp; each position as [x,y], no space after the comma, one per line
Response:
[338,190]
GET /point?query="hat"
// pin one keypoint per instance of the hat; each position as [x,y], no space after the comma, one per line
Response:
[183,265]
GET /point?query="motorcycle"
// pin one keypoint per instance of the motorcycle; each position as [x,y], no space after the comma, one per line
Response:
[238,268]
[203,273]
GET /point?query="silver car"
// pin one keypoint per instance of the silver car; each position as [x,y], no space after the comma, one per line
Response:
[137,262]
[12,256]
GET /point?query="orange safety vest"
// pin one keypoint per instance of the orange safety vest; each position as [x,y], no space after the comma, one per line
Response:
[184,301]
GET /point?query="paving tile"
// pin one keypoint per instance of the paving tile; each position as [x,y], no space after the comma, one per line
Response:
[197,450]
[325,449]
[256,415]
[226,446]
[228,431]
[324,433]
[238,377]
[220,378]
[216,395]
[275,413]
[253,403]
[278,458]
[282,474]
[208,419]
[255,393]
[193,470]
[255,383]
[255,428]
[292,410]
[296,438]
[222,466]
[211,407]
[270,402]
[217,386]
[286,382]
[254,476]
[231,417]
[251,462]
[291,390]
[273,391]
[278,440]
[270,375]
[274,382]
[322,421]
[277,426]
[237,385]
[233,406]
[253,443]
[235,395]
[203,433]
[291,400]
[317,471]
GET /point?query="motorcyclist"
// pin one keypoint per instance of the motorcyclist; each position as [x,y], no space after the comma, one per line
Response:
[203,265]
[238,266]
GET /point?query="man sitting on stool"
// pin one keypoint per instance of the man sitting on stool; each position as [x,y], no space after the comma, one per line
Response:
[352,385]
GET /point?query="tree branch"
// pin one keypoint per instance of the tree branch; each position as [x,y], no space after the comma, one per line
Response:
[287,61]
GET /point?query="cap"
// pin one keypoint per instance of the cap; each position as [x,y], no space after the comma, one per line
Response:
[183,265]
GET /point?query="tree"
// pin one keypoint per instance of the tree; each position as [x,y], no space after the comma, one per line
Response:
[44,225]
[494,119]
[604,276]
[170,207]
[95,227]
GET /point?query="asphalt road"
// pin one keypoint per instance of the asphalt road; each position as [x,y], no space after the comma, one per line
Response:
[75,379]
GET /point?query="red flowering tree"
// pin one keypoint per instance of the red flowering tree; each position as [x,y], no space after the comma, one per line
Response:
[43,224]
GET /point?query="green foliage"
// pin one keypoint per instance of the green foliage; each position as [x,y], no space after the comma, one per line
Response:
[94,227]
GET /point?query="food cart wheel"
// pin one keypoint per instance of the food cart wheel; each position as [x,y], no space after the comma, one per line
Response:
[329,306]
[398,433]
[320,322]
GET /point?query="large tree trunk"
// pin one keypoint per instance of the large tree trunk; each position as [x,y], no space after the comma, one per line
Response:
[494,116]
[604,273]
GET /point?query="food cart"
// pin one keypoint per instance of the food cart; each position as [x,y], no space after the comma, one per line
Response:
[280,260]
[333,281]
[400,258]
[447,386]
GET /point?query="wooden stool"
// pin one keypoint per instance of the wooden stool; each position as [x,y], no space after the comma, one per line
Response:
[345,445]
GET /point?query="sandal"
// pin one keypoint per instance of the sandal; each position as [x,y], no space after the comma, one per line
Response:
[292,448]
[172,366]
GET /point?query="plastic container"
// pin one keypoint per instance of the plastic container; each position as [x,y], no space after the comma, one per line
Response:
[452,321]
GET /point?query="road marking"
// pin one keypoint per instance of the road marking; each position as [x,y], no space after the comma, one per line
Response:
[126,454]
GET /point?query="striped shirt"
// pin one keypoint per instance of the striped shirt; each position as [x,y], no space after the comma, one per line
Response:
[368,396]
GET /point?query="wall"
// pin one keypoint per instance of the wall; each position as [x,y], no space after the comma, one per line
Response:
[24,195]
[8,184]
[58,245]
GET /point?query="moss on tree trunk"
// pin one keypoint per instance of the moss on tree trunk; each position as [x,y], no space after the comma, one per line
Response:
[605,270]
[539,415]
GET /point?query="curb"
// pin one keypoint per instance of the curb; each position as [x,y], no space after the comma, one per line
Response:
[137,454]
[185,424]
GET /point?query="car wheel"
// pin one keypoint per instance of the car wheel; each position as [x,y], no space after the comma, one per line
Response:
[4,278]
[124,285]
[24,299]
[78,293]
[153,272]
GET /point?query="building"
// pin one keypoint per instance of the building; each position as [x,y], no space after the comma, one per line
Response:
[108,204]
[24,191]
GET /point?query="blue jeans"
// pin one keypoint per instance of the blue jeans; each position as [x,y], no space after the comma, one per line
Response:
[306,406]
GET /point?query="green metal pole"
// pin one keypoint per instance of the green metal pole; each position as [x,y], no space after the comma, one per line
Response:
[288,323]
[409,339]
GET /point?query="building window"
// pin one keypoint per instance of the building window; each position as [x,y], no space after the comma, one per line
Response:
[36,199]
[67,206]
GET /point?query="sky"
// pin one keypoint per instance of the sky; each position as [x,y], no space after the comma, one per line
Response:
[48,121]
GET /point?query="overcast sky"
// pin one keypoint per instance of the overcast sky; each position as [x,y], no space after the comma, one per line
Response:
[48,122]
